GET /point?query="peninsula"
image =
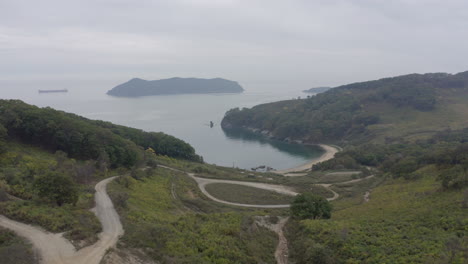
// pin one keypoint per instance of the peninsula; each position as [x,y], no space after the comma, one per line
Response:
[317,90]
[138,87]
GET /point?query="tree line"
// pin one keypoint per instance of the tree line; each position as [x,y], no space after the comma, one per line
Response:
[345,113]
[85,139]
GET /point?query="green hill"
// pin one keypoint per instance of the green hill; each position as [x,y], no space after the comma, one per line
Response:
[84,139]
[412,131]
[416,211]
[50,161]
[410,106]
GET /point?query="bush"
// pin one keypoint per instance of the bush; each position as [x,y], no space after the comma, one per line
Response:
[310,206]
[57,187]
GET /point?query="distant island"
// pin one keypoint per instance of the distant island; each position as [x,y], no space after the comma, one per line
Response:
[317,90]
[139,87]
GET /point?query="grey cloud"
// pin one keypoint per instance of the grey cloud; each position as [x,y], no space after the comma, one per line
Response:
[296,43]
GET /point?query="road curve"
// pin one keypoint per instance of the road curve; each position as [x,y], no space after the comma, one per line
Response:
[55,249]
[202,182]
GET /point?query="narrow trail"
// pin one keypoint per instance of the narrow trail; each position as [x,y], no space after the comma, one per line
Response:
[281,252]
[55,249]
[367,196]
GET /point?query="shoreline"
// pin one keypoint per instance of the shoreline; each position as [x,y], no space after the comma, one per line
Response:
[330,152]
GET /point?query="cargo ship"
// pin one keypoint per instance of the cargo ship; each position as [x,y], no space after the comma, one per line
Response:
[54,91]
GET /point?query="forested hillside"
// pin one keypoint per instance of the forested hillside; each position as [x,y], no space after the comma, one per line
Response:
[50,161]
[418,214]
[85,139]
[404,106]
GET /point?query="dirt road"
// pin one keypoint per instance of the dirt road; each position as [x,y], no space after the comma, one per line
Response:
[202,182]
[54,249]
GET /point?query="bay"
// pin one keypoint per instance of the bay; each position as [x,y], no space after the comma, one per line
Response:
[184,116]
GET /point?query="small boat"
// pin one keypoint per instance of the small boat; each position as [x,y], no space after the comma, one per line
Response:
[54,91]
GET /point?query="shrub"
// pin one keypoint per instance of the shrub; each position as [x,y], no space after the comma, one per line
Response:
[310,206]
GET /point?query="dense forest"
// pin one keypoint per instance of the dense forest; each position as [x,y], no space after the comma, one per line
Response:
[85,139]
[350,112]
[447,151]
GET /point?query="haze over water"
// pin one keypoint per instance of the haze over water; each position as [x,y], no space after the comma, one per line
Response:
[184,116]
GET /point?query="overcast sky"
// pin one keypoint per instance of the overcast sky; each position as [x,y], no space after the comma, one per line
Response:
[293,44]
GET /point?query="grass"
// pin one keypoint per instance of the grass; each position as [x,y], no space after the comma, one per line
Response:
[167,216]
[79,225]
[404,222]
[15,250]
[247,195]
[335,177]
[300,184]
[219,172]
[415,125]
[19,165]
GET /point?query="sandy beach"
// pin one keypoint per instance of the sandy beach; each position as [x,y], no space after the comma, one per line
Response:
[329,154]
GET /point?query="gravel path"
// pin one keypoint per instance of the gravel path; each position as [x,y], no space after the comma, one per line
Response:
[202,182]
[55,249]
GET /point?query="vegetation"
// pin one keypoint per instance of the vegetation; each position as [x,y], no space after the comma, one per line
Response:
[360,112]
[310,206]
[49,161]
[410,133]
[317,90]
[14,250]
[406,221]
[160,143]
[166,215]
[48,190]
[56,187]
[245,194]
[139,87]
[84,139]
[446,150]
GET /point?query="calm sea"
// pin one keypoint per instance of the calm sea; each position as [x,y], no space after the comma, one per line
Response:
[184,116]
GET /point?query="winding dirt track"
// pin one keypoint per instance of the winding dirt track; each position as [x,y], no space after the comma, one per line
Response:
[55,249]
[202,182]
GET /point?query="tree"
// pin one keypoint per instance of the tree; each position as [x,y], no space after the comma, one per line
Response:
[57,187]
[310,206]
[3,136]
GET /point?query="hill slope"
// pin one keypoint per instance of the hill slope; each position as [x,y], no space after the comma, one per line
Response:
[82,138]
[409,106]
[139,87]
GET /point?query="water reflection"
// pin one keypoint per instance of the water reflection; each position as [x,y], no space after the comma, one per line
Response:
[292,149]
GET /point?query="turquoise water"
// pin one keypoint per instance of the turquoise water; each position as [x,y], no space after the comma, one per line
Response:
[184,116]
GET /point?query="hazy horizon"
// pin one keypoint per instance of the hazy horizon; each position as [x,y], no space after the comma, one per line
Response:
[263,45]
